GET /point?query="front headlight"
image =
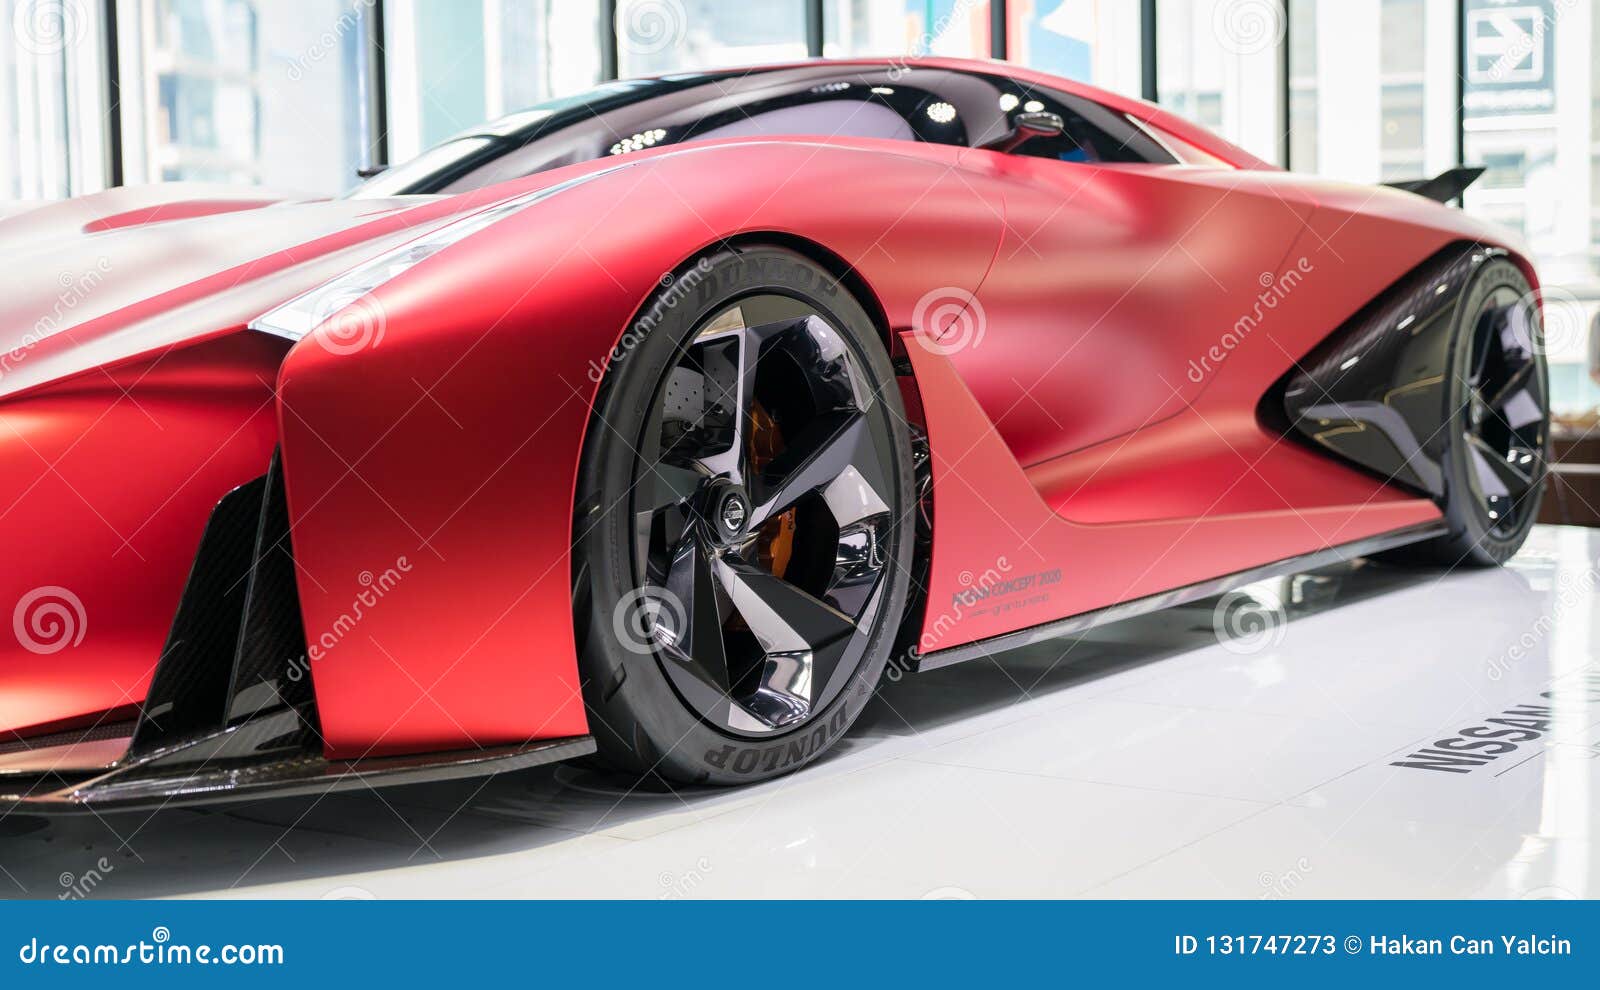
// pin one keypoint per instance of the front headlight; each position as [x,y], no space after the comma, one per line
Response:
[304,313]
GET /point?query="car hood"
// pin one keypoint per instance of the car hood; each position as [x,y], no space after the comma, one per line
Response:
[102,278]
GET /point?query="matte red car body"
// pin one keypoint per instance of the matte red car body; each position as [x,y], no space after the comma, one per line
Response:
[1072,437]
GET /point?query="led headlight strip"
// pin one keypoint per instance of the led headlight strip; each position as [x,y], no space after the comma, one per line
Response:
[304,313]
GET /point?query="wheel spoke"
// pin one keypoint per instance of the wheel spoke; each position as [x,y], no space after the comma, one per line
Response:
[665,485]
[820,453]
[1497,475]
[1482,345]
[803,638]
[731,378]
[693,585]
[1513,402]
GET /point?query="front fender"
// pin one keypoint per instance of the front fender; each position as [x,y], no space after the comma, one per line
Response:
[430,456]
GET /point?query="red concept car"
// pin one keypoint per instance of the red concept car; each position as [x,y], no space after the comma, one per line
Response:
[653,423]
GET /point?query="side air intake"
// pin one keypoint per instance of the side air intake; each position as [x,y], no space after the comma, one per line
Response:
[240,602]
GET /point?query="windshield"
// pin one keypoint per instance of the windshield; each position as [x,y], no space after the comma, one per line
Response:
[887,101]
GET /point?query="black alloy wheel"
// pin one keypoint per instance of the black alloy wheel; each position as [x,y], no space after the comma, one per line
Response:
[1497,425]
[1507,412]
[747,485]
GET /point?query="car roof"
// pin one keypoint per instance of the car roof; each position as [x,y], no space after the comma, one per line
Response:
[1141,110]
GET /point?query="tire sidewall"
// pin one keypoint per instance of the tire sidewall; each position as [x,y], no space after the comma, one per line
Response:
[1463,513]
[641,723]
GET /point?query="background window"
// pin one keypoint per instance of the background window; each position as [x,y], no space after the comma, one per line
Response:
[958,28]
[1372,88]
[1218,63]
[1094,41]
[1530,116]
[52,86]
[453,64]
[657,36]
[244,91]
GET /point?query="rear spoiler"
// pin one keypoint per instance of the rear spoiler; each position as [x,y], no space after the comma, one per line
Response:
[1445,186]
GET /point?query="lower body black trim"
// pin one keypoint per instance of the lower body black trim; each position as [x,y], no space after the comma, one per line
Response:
[1178,596]
[177,778]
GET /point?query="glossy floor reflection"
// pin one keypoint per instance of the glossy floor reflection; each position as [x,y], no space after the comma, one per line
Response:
[1145,760]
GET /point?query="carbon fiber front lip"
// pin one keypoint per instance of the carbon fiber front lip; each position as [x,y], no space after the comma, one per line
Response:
[173,778]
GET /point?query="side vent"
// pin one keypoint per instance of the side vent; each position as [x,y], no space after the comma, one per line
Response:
[1375,393]
[234,663]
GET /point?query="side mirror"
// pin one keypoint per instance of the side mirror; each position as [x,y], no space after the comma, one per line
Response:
[1024,128]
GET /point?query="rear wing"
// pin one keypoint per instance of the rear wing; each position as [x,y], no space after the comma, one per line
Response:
[1445,186]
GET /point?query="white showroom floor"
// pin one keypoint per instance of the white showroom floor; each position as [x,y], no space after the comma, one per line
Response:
[1145,760]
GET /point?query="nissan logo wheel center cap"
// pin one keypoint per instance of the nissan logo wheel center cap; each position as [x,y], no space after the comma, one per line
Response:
[733,513]
[727,512]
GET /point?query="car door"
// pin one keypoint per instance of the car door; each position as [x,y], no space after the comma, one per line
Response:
[1115,281]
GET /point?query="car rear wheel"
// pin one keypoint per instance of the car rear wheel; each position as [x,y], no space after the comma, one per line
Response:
[742,536]
[1498,424]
